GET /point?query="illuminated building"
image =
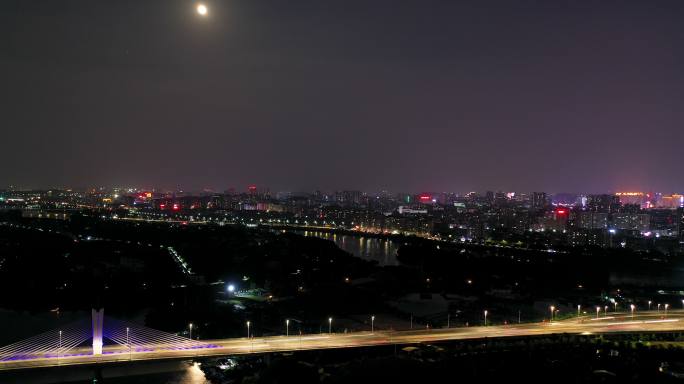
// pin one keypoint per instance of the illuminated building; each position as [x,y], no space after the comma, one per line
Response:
[410,210]
[426,198]
[630,221]
[591,220]
[603,203]
[631,197]
[539,200]
[349,198]
[671,201]
[555,220]
[680,225]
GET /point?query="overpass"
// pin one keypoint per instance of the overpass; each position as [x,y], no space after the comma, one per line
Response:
[128,342]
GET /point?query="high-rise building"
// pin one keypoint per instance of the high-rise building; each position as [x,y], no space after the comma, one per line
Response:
[631,221]
[603,203]
[671,201]
[349,198]
[539,200]
[680,216]
[591,220]
[639,198]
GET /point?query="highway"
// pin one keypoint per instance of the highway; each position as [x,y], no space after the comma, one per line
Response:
[613,323]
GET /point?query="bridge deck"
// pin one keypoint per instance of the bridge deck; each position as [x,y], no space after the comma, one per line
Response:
[645,322]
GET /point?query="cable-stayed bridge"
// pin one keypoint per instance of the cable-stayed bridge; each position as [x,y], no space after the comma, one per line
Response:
[107,340]
[98,336]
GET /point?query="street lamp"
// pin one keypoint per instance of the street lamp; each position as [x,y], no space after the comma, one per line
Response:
[485,317]
[59,350]
[287,327]
[649,305]
[598,309]
[615,304]
[578,310]
[373,324]
[329,324]
[666,306]
[658,307]
[552,308]
[605,310]
[631,306]
[190,331]
[128,342]
[248,324]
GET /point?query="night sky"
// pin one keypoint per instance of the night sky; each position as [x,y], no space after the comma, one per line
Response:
[421,95]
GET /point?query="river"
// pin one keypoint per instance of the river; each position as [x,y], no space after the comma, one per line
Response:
[382,250]
[188,374]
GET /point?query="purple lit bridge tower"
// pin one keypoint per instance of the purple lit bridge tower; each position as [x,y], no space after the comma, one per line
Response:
[94,337]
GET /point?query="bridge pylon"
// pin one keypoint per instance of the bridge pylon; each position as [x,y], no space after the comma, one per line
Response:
[98,320]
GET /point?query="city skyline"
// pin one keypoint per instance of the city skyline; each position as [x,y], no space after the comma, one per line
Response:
[267,189]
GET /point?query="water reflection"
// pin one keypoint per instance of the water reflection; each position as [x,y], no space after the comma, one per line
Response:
[384,251]
[188,373]
[192,375]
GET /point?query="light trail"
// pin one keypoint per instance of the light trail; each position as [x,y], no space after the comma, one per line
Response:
[149,344]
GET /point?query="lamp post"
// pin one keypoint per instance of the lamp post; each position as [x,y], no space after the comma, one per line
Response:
[666,306]
[485,318]
[578,310]
[605,310]
[329,324]
[631,307]
[287,327]
[552,308]
[649,305]
[598,309]
[190,331]
[248,324]
[615,305]
[448,320]
[128,342]
[59,350]
[658,307]
[373,324]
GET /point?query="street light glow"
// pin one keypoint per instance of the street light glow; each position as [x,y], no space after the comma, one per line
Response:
[202,9]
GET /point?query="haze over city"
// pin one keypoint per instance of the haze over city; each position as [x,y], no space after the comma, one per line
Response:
[397,95]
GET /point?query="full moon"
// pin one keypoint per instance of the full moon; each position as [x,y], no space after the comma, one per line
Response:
[202,9]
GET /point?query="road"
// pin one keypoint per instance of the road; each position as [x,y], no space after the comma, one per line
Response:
[617,322]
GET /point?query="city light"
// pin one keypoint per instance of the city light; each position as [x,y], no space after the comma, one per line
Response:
[194,164]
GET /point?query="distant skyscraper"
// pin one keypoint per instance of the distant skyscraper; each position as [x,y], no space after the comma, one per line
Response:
[640,198]
[349,198]
[680,215]
[603,203]
[539,200]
